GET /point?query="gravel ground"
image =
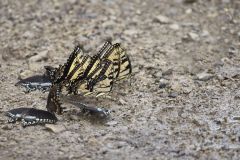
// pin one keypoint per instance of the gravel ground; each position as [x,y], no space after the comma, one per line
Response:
[184,98]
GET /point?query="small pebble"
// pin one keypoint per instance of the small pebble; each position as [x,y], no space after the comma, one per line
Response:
[163,83]
[174,27]
[193,36]
[55,128]
[167,72]
[204,76]
[173,95]
[6,127]
[122,102]
[188,11]
[24,74]
[130,32]
[112,123]
[42,56]
[74,117]
[238,34]
[162,19]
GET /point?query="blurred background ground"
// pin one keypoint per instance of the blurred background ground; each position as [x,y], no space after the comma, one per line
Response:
[184,100]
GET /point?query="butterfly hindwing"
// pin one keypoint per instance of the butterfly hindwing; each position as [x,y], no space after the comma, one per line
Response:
[99,81]
[53,101]
[121,62]
[102,82]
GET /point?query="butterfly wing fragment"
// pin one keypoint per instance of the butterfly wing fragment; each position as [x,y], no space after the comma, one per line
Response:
[53,101]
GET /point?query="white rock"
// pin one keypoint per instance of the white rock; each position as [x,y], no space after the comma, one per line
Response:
[112,123]
[162,19]
[131,32]
[205,33]
[188,11]
[55,128]
[193,36]
[238,35]
[174,27]
[25,74]
[204,76]
[39,57]
[122,102]
[163,83]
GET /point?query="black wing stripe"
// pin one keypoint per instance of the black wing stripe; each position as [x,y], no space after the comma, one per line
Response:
[107,45]
[85,58]
[87,70]
[108,52]
[102,73]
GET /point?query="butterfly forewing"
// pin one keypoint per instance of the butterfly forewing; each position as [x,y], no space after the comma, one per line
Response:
[105,49]
[79,68]
[77,61]
[70,64]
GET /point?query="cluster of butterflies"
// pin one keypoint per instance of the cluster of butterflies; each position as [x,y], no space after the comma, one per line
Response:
[81,75]
[88,75]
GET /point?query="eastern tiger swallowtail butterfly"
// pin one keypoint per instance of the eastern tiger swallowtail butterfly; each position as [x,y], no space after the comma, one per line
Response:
[119,58]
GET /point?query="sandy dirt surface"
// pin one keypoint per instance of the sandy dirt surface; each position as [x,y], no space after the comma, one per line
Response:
[184,98]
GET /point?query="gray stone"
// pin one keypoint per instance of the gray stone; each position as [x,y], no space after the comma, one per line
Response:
[163,83]
[173,95]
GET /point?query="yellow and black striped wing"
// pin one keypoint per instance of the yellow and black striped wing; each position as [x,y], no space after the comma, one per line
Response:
[102,81]
[75,58]
[125,67]
[97,82]
[79,79]
[80,67]
[121,62]
[107,46]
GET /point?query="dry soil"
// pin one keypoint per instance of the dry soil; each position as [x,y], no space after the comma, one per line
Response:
[184,98]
